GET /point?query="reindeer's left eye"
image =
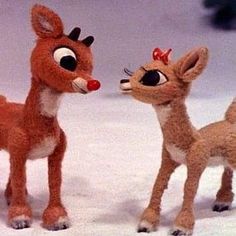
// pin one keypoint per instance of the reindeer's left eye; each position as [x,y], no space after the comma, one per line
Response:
[66,58]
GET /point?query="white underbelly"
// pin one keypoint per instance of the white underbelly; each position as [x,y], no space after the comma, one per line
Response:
[178,155]
[43,149]
[218,161]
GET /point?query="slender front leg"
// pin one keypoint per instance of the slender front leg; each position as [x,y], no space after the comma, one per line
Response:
[150,217]
[8,191]
[225,195]
[19,214]
[55,215]
[196,163]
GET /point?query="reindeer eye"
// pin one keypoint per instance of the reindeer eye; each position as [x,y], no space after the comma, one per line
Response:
[153,78]
[66,58]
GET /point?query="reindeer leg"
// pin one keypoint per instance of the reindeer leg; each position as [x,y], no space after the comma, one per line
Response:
[19,213]
[196,163]
[8,191]
[150,217]
[225,195]
[55,215]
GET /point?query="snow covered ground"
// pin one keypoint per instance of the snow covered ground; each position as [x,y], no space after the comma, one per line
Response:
[114,142]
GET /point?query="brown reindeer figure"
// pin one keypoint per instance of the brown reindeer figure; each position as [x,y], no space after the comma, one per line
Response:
[59,64]
[165,85]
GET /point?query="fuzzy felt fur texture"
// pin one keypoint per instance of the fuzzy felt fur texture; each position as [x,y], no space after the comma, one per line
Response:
[212,145]
[31,130]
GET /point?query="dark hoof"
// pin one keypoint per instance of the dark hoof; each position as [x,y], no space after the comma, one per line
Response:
[220,207]
[143,230]
[146,227]
[20,224]
[178,233]
[59,227]
[62,224]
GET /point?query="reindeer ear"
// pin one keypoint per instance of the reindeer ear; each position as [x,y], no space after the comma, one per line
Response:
[192,64]
[45,22]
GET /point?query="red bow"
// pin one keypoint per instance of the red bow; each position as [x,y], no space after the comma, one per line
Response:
[161,56]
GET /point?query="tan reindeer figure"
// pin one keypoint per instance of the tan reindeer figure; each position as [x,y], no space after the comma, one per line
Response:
[59,64]
[165,85]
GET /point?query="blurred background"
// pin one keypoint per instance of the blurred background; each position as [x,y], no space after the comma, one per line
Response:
[114,142]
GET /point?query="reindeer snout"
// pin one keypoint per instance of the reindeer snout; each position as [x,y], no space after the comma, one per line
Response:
[125,85]
[93,85]
[84,86]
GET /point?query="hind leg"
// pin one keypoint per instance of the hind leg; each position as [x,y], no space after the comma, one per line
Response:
[19,212]
[225,195]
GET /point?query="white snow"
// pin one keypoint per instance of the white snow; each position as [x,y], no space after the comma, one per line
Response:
[114,142]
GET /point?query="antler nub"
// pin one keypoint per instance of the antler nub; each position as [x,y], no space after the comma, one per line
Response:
[88,40]
[74,34]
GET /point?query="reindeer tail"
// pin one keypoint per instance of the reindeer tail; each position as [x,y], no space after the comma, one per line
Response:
[230,114]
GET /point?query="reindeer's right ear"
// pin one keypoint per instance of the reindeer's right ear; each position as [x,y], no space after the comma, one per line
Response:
[192,64]
[45,22]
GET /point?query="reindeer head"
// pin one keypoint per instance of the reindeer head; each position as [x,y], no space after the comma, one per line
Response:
[162,81]
[61,61]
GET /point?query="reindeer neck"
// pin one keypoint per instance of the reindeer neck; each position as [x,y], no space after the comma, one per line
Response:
[41,104]
[175,124]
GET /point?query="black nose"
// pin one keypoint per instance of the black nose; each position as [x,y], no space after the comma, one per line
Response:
[124,81]
[151,78]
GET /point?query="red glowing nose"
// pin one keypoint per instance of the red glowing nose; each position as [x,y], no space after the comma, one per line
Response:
[93,85]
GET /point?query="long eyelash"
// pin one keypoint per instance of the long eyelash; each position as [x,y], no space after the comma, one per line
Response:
[128,72]
[143,69]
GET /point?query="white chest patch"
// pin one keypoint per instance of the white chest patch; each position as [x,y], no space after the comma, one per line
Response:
[163,113]
[176,153]
[50,102]
[43,149]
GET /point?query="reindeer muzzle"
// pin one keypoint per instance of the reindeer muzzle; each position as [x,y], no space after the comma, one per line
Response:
[85,86]
[125,85]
